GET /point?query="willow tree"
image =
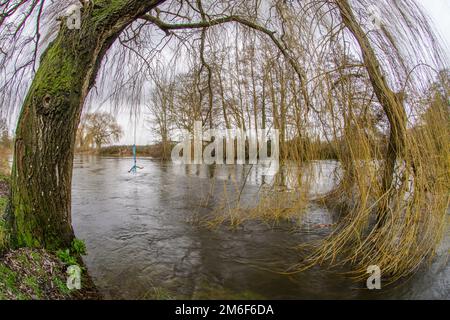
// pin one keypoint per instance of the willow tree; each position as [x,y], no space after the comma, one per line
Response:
[67,71]
[45,135]
[315,48]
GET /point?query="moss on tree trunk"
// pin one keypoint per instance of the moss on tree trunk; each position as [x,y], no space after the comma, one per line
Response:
[45,136]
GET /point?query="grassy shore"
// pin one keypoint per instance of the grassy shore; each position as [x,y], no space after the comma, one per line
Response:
[324,151]
[34,274]
[4,195]
[4,190]
[152,151]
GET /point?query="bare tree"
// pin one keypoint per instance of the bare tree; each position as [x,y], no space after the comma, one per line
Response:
[100,129]
[161,110]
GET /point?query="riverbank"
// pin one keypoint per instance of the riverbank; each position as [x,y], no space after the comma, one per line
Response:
[4,194]
[323,151]
[151,151]
[35,274]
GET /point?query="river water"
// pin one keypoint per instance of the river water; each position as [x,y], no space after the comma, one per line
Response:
[144,243]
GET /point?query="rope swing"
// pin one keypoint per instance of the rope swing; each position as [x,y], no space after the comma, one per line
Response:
[135,167]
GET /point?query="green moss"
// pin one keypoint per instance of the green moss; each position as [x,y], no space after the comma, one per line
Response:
[61,285]
[5,178]
[36,256]
[57,90]
[25,224]
[7,276]
[25,274]
[66,257]
[4,234]
[8,281]
[3,203]
[106,9]
[70,256]
[21,289]
[58,71]
[78,247]
[60,80]
[23,259]
[32,282]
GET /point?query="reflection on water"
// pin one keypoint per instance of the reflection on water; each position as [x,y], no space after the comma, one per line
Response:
[142,242]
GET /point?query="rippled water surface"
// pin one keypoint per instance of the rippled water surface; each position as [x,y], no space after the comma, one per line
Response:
[143,241]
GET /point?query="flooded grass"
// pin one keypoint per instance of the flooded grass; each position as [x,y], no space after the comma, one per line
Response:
[147,238]
[28,274]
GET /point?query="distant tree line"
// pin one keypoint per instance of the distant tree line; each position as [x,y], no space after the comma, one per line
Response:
[96,130]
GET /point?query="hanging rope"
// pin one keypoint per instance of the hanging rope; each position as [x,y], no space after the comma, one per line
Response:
[135,166]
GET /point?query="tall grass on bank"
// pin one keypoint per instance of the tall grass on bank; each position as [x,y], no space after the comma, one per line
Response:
[385,116]
[4,195]
[417,201]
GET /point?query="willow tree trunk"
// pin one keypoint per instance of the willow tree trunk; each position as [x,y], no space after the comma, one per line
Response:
[45,136]
[391,102]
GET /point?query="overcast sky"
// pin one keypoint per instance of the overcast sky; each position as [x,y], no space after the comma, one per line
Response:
[438,10]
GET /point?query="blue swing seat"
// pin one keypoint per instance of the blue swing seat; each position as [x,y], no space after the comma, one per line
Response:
[135,167]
